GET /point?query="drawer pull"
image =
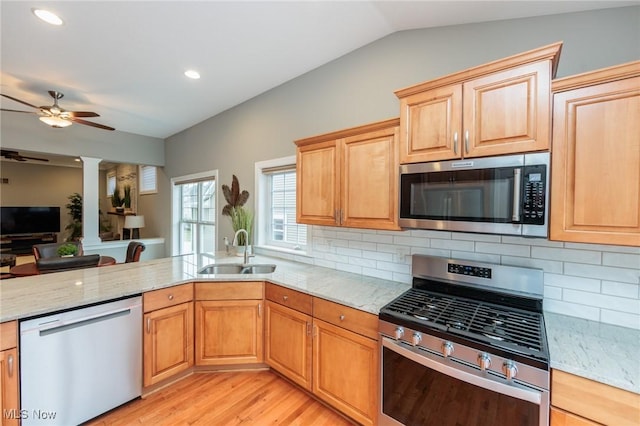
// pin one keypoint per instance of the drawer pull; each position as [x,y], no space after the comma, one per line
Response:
[285,298]
[170,297]
[341,317]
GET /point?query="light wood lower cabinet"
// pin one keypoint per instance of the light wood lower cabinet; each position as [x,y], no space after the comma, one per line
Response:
[580,401]
[229,323]
[168,333]
[345,371]
[9,391]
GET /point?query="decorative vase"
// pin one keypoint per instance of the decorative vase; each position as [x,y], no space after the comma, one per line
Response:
[241,249]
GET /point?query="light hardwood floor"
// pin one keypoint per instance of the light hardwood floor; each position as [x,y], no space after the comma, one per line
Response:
[225,398]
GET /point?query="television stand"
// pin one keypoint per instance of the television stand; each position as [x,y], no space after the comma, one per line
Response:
[22,244]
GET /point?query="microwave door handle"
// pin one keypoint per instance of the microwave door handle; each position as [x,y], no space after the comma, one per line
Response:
[517,183]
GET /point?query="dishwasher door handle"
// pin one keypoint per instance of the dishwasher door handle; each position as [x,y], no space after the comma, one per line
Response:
[84,321]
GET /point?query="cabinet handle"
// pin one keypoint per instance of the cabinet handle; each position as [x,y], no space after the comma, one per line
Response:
[308,328]
[341,317]
[466,142]
[170,297]
[455,143]
[10,365]
[341,216]
[148,325]
[259,310]
[336,217]
[285,298]
[315,330]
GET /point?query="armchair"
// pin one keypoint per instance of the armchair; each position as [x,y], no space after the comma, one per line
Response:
[59,264]
[134,250]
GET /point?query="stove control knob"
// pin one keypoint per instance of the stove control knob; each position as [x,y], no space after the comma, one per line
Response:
[447,349]
[510,369]
[484,361]
[416,338]
[398,333]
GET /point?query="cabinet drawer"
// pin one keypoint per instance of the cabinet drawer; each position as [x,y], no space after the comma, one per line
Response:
[351,319]
[166,297]
[294,299]
[8,335]
[238,290]
[593,400]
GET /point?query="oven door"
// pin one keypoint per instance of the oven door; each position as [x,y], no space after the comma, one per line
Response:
[421,388]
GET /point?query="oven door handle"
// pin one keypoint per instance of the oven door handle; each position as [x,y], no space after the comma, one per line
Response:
[532,396]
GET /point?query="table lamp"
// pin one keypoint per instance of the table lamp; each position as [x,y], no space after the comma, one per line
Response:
[134,223]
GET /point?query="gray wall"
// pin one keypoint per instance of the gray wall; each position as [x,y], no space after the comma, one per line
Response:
[358,88]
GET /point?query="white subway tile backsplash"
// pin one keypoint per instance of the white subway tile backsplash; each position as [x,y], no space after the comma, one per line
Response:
[452,244]
[546,265]
[572,309]
[621,289]
[596,282]
[504,249]
[620,318]
[567,255]
[573,283]
[621,260]
[624,275]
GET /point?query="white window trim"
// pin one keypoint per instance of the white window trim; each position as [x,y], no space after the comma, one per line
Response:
[111,174]
[140,175]
[175,206]
[261,207]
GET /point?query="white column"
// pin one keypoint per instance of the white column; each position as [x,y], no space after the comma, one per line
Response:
[90,201]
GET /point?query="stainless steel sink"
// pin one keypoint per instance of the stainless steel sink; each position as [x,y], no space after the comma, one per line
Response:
[237,268]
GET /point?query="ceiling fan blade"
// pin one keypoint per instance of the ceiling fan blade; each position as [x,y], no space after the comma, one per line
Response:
[16,110]
[33,158]
[89,123]
[18,100]
[82,114]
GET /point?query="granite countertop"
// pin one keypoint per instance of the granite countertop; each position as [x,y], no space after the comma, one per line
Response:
[601,352]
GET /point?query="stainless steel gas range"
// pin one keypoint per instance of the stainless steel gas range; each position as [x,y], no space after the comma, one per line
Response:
[465,346]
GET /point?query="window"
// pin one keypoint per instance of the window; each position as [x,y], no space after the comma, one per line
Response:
[111,183]
[195,208]
[148,179]
[277,205]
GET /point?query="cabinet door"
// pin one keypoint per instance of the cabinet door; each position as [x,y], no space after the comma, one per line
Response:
[369,180]
[229,332]
[317,198]
[168,342]
[508,112]
[431,125]
[596,164]
[346,371]
[288,343]
[9,405]
[562,418]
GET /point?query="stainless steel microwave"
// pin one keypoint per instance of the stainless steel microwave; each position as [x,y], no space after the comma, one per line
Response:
[497,195]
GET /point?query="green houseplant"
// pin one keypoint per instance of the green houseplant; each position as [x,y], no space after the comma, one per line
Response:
[116,200]
[67,249]
[240,218]
[127,197]
[75,211]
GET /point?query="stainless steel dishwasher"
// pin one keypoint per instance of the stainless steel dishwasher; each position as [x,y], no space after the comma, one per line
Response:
[78,364]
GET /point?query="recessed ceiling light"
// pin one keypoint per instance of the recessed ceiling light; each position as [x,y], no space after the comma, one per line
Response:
[192,74]
[48,17]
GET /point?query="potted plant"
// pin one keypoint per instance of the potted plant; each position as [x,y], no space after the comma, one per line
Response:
[116,201]
[75,211]
[126,200]
[240,218]
[67,250]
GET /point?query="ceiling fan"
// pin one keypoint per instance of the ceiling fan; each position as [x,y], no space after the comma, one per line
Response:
[57,117]
[15,155]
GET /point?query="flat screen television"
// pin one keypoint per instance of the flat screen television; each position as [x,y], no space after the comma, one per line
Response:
[29,220]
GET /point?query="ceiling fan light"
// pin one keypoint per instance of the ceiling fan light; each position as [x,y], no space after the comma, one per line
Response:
[56,122]
[48,17]
[193,74]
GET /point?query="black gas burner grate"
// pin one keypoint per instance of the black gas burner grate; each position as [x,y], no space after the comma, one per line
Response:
[487,322]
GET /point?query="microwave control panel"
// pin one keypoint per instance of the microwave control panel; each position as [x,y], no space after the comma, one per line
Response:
[534,192]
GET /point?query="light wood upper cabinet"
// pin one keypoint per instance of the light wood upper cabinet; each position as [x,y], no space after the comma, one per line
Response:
[9,374]
[168,333]
[595,171]
[349,178]
[498,108]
